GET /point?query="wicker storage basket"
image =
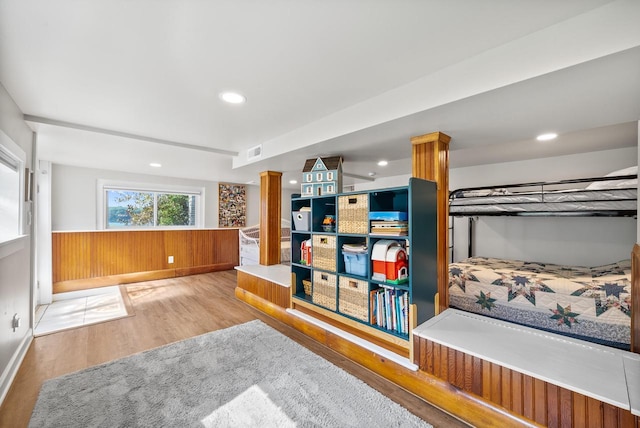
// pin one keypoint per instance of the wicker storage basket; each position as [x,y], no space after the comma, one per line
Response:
[353,214]
[306,283]
[353,298]
[324,290]
[324,252]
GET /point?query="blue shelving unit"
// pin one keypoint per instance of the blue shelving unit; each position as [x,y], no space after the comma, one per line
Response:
[418,199]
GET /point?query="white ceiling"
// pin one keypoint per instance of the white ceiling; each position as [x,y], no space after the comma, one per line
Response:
[356,78]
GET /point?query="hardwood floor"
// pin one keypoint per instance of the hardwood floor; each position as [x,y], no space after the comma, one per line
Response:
[166,311]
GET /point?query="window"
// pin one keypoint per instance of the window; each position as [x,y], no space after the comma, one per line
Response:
[11,179]
[309,178]
[330,176]
[330,188]
[140,207]
[319,176]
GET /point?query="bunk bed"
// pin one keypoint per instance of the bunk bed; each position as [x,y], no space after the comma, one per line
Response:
[590,303]
[250,243]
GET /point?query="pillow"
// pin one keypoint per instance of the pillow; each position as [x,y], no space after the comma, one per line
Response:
[616,183]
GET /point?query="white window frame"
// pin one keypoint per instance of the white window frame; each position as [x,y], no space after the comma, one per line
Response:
[330,176]
[105,185]
[330,189]
[319,176]
[309,178]
[15,158]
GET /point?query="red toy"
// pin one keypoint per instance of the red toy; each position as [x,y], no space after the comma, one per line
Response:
[305,252]
[390,263]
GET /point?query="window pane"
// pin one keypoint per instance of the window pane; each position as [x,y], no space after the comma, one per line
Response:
[9,203]
[176,210]
[129,208]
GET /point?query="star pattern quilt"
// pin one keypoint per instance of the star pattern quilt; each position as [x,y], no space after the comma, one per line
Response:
[590,303]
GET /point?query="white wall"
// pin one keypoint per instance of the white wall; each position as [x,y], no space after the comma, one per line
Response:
[574,241]
[253,204]
[74,195]
[383,182]
[578,241]
[15,265]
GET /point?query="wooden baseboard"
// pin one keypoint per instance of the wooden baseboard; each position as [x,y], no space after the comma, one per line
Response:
[467,407]
[196,270]
[379,337]
[127,278]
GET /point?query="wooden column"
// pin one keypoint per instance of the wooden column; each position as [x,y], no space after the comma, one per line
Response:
[270,213]
[430,161]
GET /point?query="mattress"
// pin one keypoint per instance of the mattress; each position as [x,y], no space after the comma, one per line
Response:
[590,303]
[582,200]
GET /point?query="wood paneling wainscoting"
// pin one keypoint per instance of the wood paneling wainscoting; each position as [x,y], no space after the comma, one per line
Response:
[92,259]
[534,399]
[265,289]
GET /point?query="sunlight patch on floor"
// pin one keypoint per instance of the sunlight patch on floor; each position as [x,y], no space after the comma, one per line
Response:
[76,309]
[252,408]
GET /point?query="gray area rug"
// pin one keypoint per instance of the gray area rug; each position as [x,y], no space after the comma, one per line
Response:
[249,375]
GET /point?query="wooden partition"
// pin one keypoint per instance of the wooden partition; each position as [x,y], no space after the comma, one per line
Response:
[92,259]
[523,395]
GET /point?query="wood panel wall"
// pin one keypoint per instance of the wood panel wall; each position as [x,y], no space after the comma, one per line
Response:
[88,259]
[534,399]
[267,290]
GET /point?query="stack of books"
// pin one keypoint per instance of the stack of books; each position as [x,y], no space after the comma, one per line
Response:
[390,227]
[390,309]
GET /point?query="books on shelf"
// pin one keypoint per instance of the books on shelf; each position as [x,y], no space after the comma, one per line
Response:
[389,309]
[390,227]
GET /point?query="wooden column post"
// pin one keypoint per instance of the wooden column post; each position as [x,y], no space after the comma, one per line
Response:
[270,213]
[430,161]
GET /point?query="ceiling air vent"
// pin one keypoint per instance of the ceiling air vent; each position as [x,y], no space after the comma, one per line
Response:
[254,152]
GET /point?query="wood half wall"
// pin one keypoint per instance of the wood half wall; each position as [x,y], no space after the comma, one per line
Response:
[84,260]
[525,396]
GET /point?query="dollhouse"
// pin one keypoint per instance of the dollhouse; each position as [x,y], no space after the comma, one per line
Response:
[322,176]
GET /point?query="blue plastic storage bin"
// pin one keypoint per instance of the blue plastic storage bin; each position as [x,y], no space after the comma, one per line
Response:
[388,215]
[356,263]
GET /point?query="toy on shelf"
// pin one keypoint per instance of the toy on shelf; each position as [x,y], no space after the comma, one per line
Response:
[390,262]
[329,223]
[322,176]
[305,252]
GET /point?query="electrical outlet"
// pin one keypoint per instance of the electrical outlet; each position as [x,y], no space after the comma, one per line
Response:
[170,259]
[16,322]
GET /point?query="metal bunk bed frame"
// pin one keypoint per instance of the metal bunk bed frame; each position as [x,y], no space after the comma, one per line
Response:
[540,188]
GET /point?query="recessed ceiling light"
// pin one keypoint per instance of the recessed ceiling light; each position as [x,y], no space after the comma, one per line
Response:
[293,181]
[155,164]
[383,163]
[233,97]
[547,137]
